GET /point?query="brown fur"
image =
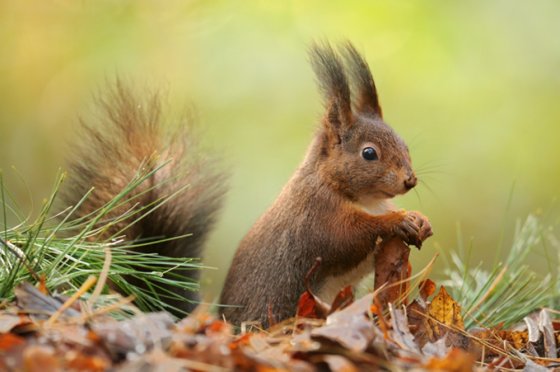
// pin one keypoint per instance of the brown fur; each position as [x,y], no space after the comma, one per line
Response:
[130,135]
[317,213]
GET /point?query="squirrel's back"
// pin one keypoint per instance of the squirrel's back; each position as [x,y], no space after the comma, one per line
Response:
[130,138]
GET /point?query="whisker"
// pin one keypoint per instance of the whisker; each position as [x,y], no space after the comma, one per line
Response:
[418,198]
[432,167]
[431,173]
[430,190]
[434,163]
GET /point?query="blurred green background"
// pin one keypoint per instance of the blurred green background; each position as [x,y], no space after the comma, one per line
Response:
[472,86]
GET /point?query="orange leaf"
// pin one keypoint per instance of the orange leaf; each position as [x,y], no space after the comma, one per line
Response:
[8,341]
[307,306]
[218,326]
[427,288]
[382,322]
[43,285]
[344,298]
[518,339]
[82,362]
[41,358]
[456,360]
[243,340]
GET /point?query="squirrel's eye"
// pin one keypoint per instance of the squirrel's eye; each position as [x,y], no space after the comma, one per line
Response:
[369,153]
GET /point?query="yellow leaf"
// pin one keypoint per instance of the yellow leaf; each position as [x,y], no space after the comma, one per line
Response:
[444,309]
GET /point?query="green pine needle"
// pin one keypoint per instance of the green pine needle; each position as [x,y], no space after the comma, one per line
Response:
[65,250]
[510,290]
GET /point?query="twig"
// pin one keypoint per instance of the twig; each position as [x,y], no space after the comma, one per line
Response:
[107,309]
[83,289]
[102,278]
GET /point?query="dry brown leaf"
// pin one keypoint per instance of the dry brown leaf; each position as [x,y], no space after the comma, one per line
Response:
[418,322]
[437,349]
[350,327]
[339,363]
[136,335]
[31,301]
[355,335]
[8,322]
[391,267]
[401,332]
[547,330]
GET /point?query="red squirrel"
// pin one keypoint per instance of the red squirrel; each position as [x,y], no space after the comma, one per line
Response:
[336,206]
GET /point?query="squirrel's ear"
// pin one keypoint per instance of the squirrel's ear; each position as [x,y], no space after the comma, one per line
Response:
[367,100]
[332,80]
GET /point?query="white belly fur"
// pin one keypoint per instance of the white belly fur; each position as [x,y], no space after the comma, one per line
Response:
[334,284]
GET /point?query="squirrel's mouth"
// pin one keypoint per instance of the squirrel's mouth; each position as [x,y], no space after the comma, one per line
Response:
[388,195]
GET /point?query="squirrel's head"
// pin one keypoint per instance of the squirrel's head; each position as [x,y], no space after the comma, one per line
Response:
[357,153]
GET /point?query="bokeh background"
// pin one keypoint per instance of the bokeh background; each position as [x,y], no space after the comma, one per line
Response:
[473,87]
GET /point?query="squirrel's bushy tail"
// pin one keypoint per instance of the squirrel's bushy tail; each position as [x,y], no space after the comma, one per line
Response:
[129,139]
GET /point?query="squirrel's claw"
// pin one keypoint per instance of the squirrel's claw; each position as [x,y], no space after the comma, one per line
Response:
[414,229]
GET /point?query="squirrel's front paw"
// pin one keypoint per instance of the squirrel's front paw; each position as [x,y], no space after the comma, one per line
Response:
[414,228]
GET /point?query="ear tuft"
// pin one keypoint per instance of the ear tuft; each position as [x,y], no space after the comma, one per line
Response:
[332,80]
[367,100]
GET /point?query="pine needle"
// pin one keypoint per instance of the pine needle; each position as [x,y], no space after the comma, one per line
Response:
[67,250]
[507,292]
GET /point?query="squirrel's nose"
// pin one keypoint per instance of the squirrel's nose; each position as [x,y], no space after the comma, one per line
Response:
[410,182]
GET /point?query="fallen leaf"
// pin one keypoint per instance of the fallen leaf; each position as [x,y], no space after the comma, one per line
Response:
[43,285]
[531,321]
[76,361]
[136,335]
[437,349]
[517,339]
[307,306]
[545,326]
[444,318]
[355,335]
[359,308]
[8,322]
[32,301]
[9,341]
[240,341]
[392,267]
[41,359]
[344,298]
[401,332]
[338,363]
[456,360]
[418,322]
[446,311]
[531,366]
[350,327]
[427,288]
